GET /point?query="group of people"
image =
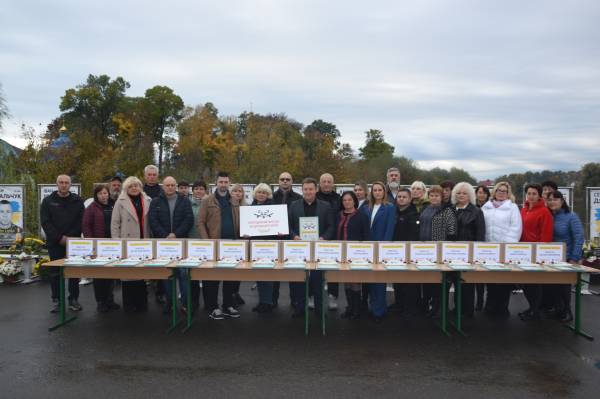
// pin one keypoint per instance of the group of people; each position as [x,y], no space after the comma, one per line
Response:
[132,209]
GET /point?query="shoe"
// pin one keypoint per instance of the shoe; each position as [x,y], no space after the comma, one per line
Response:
[332,302]
[524,313]
[263,308]
[311,302]
[85,281]
[530,316]
[566,317]
[55,307]
[113,306]
[231,312]
[102,308]
[160,300]
[238,300]
[217,314]
[74,305]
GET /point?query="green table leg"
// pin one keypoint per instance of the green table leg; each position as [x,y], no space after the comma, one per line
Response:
[174,321]
[576,327]
[444,309]
[62,306]
[323,307]
[306,317]
[189,300]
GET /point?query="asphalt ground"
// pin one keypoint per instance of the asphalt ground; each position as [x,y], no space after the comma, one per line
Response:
[119,355]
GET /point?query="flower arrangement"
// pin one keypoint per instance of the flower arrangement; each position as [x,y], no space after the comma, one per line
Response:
[10,268]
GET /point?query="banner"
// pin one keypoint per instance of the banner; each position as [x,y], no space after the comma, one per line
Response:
[11,213]
[593,195]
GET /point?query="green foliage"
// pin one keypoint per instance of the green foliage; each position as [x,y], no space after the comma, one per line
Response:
[375,146]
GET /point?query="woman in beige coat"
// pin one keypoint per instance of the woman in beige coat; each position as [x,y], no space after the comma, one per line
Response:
[129,221]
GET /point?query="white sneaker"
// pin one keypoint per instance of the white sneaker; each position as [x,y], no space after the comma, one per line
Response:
[231,312]
[311,302]
[332,302]
[85,281]
[217,314]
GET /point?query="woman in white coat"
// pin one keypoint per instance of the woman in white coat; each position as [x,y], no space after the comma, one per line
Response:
[502,224]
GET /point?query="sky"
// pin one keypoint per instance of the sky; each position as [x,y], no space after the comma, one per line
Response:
[493,87]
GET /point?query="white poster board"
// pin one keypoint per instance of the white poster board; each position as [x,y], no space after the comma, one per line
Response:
[79,248]
[456,252]
[423,252]
[169,249]
[232,250]
[264,250]
[593,200]
[549,253]
[139,249]
[486,252]
[201,249]
[518,253]
[392,250]
[12,198]
[297,250]
[360,250]
[263,220]
[112,249]
[326,250]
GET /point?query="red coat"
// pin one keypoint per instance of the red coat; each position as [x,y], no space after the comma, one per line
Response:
[93,221]
[538,223]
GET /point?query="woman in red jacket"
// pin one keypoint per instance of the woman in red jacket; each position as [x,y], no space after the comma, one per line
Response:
[537,227]
[96,224]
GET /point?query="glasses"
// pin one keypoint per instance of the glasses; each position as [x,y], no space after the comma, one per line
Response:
[285,179]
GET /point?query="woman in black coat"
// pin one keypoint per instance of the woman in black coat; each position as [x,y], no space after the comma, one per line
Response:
[351,225]
[471,227]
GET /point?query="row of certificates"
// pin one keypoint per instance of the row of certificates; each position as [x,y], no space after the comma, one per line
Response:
[459,254]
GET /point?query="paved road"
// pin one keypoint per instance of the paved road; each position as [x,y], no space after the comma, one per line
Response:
[119,355]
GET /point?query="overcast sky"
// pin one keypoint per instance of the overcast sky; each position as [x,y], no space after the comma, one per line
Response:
[490,88]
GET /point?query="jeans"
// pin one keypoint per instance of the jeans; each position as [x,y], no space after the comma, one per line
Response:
[377,293]
[265,292]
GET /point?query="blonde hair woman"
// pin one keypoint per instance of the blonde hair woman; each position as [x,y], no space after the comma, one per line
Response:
[418,192]
[237,194]
[129,220]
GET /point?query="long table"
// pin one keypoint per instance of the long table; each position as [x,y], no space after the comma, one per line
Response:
[344,274]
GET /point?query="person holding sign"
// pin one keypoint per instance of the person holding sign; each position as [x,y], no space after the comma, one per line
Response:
[219,218]
[538,226]
[130,220]
[567,229]
[61,214]
[470,227]
[437,222]
[309,207]
[264,196]
[171,216]
[382,217]
[351,225]
[502,224]
[96,224]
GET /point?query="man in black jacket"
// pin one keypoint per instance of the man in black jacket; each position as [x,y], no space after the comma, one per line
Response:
[284,195]
[309,206]
[407,229]
[61,215]
[171,216]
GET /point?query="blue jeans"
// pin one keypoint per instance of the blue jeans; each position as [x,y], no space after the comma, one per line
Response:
[265,292]
[377,293]
[181,276]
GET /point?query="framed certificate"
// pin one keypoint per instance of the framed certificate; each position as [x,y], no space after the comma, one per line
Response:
[550,253]
[486,252]
[309,228]
[456,252]
[80,248]
[139,249]
[111,249]
[169,249]
[392,250]
[201,249]
[297,250]
[264,250]
[518,253]
[232,250]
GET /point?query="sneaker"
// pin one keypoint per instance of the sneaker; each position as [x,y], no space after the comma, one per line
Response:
[55,308]
[217,314]
[113,306]
[332,302]
[231,312]
[311,302]
[85,281]
[74,305]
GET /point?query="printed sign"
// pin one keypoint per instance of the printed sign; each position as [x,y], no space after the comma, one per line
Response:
[11,213]
[518,253]
[296,250]
[325,250]
[360,250]
[594,211]
[139,249]
[201,249]
[111,249]
[456,252]
[549,253]
[80,248]
[169,249]
[264,250]
[232,250]
[309,228]
[484,252]
[263,220]
[392,250]
[423,252]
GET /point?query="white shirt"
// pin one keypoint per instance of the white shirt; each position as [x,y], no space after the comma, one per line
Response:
[375,209]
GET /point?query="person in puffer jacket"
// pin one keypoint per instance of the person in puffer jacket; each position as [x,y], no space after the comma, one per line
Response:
[502,224]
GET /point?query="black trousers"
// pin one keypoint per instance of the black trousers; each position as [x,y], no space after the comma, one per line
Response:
[534,295]
[135,295]
[211,293]
[562,297]
[56,252]
[407,297]
[498,298]
[103,290]
[298,295]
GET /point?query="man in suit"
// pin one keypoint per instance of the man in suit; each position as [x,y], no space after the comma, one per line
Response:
[309,206]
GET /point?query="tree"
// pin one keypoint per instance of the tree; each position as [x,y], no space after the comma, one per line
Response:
[3,107]
[163,109]
[375,146]
[325,129]
[91,106]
